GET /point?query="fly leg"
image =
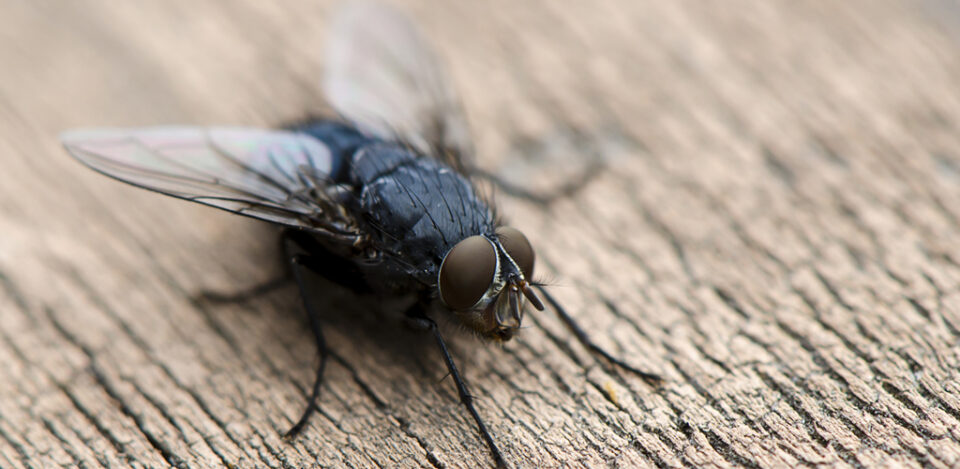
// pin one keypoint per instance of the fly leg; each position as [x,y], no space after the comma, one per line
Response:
[306,253]
[248,293]
[240,296]
[299,262]
[584,339]
[565,190]
[419,320]
[548,150]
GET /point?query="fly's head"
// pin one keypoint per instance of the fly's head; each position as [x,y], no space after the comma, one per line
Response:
[485,280]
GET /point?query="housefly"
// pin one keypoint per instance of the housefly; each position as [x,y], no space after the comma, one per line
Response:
[379,201]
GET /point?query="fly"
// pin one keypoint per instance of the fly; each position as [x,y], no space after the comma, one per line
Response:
[379,201]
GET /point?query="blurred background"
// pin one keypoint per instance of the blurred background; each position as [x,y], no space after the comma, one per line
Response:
[775,230]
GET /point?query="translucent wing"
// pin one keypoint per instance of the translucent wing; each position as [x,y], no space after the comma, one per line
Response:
[274,176]
[383,76]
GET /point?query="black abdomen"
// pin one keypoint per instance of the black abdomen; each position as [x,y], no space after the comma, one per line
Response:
[341,139]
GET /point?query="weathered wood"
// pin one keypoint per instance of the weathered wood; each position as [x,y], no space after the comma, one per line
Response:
[776,232]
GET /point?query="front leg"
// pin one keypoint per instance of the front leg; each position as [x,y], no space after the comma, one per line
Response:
[418,319]
[581,335]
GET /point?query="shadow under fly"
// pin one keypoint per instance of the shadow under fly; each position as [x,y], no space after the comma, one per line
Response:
[380,201]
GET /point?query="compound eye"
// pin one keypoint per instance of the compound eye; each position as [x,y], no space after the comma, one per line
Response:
[518,248]
[467,272]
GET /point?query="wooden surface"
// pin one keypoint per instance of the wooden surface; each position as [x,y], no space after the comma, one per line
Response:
[776,232]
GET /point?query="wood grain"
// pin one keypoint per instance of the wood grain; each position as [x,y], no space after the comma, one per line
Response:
[775,231]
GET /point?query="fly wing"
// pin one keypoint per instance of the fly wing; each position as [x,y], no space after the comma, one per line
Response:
[269,175]
[383,76]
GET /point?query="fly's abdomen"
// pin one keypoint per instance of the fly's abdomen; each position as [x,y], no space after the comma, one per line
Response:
[341,139]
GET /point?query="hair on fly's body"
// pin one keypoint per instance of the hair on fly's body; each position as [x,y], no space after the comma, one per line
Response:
[383,201]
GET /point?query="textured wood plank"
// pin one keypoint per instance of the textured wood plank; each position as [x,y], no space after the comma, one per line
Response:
[775,231]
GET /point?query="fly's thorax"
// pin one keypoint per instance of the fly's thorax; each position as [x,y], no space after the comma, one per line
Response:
[414,208]
[485,278]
